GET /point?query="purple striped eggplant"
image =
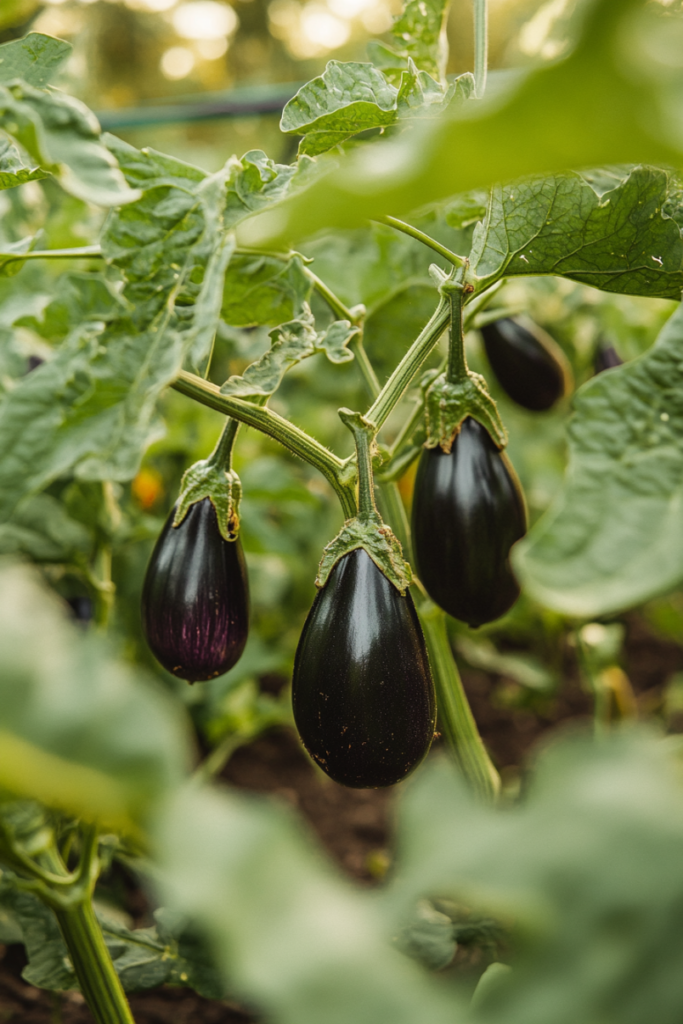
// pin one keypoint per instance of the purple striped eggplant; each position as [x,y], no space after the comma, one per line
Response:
[195,599]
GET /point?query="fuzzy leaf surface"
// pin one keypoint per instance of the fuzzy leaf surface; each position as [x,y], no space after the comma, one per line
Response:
[614,536]
[625,239]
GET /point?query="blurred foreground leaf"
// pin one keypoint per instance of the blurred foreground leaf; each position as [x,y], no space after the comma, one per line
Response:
[290,937]
[79,731]
[614,536]
[586,872]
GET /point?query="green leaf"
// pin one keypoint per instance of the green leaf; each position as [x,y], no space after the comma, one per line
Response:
[49,965]
[347,98]
[614,536]
[62,136]
[17,168]
[428,938]
[585,871]
[575,112]
[264,290]
[351,97]
[143,958]
[42,529]
[419,33]
[290,936]
[289,344]
[256,181]
[36,59]
[80,731]
[622,239]
[80,299]
[91,409]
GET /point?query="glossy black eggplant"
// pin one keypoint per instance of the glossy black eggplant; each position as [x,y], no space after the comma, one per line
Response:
[606,358]
[468,511]
[528,365]
[362,691]
[195,599]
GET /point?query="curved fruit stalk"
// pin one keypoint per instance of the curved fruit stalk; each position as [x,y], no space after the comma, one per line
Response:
[362,691]
[468,511]
[529,366]
[195,599]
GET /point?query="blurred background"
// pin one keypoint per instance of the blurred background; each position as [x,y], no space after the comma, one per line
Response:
[130,54]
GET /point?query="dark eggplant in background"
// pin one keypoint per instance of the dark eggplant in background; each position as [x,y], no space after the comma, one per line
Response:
[468,511]
[606,358]
[529,366]
[195,599]
[362,691]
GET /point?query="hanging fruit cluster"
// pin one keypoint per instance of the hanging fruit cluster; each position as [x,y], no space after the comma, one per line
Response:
[363,694]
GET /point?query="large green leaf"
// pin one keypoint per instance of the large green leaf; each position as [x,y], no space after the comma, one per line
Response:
[624,239]
[419,33]
[36,58]
[61,136]
[79,731]
[291,938]
[262,289]
[614,536]
[91,408]
[585,873]
[601,105]
[350,98]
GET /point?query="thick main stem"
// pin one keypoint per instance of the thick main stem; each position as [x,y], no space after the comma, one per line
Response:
[456,720]
[456,369]
[280,429]
[94,969]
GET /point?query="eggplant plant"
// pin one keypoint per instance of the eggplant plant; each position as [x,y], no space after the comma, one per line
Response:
[366,267]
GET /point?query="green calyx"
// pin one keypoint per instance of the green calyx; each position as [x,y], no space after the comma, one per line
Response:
[221,486]
[448,404]
[367,530]
[373,535]
[215,479]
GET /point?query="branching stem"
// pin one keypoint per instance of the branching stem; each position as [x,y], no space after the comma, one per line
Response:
[408,229]
[277,427]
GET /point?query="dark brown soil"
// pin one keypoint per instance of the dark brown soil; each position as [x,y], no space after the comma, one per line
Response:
[354,826]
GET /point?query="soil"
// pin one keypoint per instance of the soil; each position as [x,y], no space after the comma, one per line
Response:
[354,826]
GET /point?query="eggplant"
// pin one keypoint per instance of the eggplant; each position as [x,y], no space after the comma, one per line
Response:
[362,691]
[606,358]
[529,366]
[195,599]
[468,511]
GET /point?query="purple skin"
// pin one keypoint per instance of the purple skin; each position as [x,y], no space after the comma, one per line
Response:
[195,599]
[606,358]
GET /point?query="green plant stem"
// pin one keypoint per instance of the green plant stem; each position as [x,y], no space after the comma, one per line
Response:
[480,47]
[92,963]
[221,456]
[364,365]
[456,720]
[75,253]
[341,311]
[456,369]
[408,229]
[268,422]
[410,365]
